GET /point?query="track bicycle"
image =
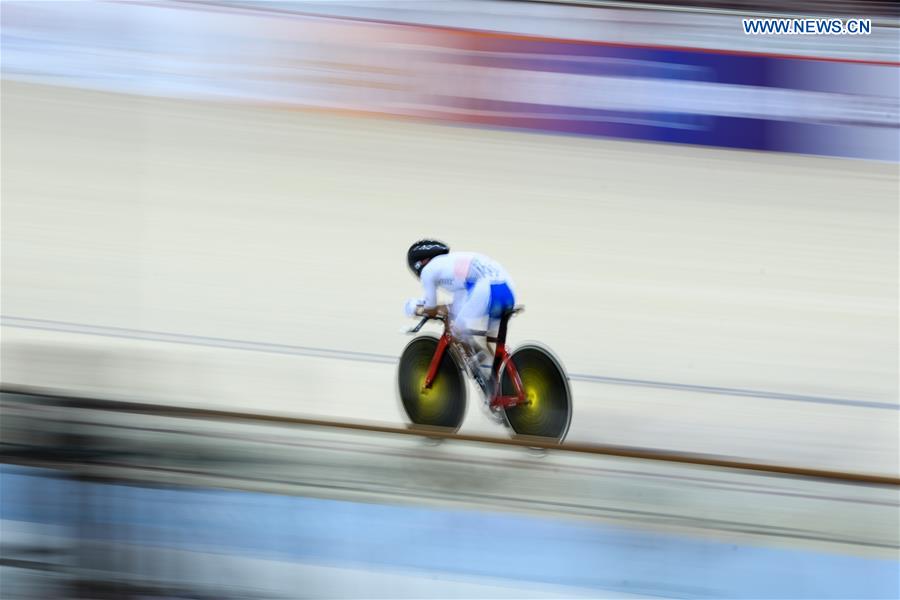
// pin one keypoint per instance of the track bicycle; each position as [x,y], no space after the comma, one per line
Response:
[526,389]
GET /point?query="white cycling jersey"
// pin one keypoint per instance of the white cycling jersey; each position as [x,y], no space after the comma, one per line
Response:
[458,272]
[481,290]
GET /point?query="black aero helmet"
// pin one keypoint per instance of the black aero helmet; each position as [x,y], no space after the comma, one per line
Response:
[422,250]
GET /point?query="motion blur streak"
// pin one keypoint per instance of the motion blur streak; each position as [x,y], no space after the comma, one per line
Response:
[343,513]
[283,227]
[257,346]
[207,205]
[793,103]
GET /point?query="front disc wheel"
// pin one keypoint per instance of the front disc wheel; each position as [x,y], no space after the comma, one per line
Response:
[443,405]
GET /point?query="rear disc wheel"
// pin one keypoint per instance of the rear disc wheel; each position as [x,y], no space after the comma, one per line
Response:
[547,413]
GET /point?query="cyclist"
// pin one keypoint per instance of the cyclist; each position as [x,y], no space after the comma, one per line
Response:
[481,291]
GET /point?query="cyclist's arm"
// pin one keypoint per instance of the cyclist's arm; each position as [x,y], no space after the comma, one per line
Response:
[430,307]
[429,287]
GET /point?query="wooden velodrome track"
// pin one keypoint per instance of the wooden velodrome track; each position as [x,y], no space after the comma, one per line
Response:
[250,260]
[79,403]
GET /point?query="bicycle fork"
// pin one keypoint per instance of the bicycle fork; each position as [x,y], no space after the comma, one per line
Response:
[435,362]
[468,361]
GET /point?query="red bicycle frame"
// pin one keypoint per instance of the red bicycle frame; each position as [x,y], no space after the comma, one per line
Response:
[501,361]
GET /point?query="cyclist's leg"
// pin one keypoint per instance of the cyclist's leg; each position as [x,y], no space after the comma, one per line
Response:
[459,300]
[473,316]
[470,316]
[503,298]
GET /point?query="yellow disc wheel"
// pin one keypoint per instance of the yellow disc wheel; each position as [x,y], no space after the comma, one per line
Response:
[547,411]
[444,403]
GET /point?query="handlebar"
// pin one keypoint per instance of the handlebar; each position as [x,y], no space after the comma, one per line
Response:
[424,320]
[442,317]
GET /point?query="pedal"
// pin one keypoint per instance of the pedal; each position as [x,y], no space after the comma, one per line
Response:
[483,382]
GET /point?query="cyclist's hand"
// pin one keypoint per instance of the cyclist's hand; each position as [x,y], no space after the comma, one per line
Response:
[413,307]
[438,311]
